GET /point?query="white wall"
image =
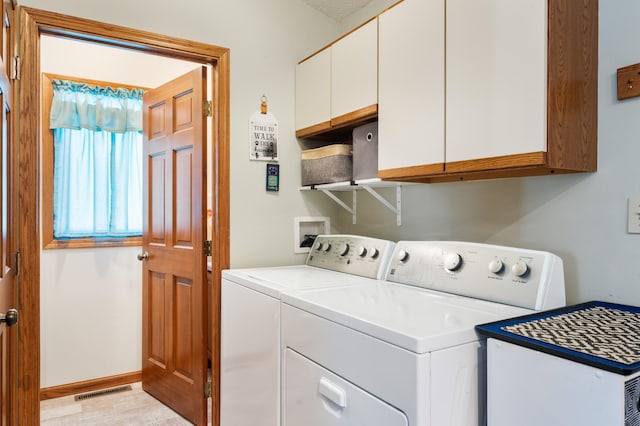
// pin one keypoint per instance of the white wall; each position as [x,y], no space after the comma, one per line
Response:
[582,218]
[266,40]
[91,299]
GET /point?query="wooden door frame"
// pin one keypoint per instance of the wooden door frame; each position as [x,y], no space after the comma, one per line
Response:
[33,23]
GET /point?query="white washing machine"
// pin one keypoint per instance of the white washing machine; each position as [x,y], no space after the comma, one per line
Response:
[250,320]
[404,351]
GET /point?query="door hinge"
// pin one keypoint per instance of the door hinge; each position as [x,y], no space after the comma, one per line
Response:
[207,109]
[207,248]
[15,68]
[17,265]
[207,390]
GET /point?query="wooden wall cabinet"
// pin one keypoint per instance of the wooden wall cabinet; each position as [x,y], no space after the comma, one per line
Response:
[337,87]
[521,90]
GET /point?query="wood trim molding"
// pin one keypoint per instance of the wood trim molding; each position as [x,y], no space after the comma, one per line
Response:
[33,23]
[313,130]
[354,118]
[90,385]
[412,173]
[572,110]
[502,162]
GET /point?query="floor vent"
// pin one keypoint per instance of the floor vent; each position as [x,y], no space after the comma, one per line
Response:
[83,396]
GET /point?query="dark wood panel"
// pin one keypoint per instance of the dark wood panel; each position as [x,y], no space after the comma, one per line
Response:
[184,329]
[572,110]
[156,314]
[157,121]
[183,175]
[183,111]
[157,200]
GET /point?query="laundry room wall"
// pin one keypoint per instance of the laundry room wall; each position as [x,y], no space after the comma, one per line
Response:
[91,299]
[582,217]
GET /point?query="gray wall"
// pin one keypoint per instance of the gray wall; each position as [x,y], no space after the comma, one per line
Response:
[582,218]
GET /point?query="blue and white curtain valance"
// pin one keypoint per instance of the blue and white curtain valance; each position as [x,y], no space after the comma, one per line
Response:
[81,106]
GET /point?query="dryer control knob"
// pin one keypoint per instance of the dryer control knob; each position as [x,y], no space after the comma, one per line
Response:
[452,262]
[319,246]
[327,247]
[345,250]
[362,251]
[403,256]
[520,269]
[374,253]
[496,266]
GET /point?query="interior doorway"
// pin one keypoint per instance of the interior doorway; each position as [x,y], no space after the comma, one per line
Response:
[33,24]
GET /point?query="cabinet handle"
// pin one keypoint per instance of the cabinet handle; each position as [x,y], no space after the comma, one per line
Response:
[332,392]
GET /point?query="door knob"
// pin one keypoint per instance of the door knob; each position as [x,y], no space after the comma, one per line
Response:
[143,256]
[11,317]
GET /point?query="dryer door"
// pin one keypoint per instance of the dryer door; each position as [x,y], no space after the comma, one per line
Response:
[314,396]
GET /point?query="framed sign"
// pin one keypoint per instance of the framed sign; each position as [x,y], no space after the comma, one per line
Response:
[263,137]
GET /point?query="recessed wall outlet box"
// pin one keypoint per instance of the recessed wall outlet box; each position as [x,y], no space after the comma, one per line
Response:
[305,229]
[633,216]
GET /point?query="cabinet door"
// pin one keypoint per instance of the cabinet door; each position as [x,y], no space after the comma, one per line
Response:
[411,89]
[354,71]
[496,81]
[313,92]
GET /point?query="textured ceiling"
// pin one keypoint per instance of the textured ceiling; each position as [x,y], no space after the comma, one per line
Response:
[337,9]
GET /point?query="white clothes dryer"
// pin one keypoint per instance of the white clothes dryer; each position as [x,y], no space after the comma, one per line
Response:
[250,320]
[405,351]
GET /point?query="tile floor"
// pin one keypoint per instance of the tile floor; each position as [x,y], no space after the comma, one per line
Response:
[134,407]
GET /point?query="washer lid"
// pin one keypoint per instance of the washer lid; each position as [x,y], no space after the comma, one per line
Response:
[415,319]
[273,281]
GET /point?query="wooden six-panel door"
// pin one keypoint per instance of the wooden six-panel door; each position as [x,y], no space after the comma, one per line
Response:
[174,350]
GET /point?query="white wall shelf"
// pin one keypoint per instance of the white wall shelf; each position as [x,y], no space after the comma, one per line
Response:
[368,185]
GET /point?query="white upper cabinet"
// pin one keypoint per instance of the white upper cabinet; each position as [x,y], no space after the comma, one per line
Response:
[354,71]
[521,87]
[338,86]
[313,91]
[496,78]
[411,90]
[468,89]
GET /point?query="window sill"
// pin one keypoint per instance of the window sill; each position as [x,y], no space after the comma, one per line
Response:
[92,243]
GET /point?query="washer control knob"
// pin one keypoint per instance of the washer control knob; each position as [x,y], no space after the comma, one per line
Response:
[345,250]
[327,247]
[452,262]
[496,266]
[374,253]
[362,251]
[403,256]
[520,269]
[319,246]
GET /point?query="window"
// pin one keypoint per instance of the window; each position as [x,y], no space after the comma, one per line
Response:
[92,163]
